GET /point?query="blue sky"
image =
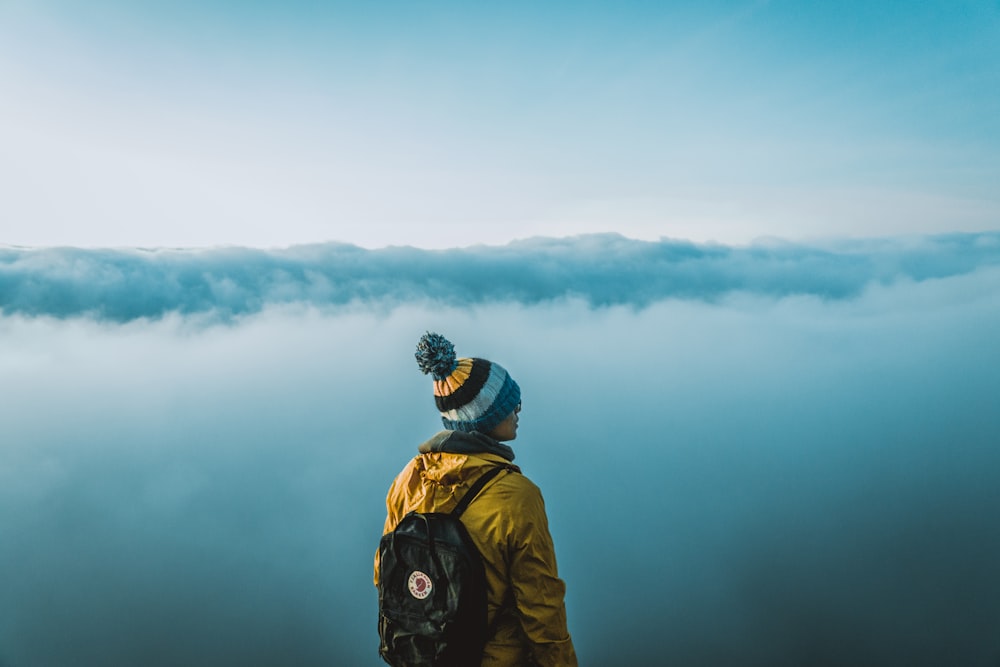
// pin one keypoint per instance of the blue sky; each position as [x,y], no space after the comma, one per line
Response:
[447,124]
[196,440]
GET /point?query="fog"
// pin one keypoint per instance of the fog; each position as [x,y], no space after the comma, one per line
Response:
[757,473]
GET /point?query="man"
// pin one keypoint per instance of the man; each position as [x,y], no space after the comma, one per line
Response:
[479,404]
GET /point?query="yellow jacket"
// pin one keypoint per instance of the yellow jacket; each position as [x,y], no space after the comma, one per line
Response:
[507,522]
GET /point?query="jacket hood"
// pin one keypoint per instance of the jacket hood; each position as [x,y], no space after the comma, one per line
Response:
[453,457]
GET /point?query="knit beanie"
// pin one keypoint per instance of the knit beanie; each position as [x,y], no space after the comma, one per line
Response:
[471,394]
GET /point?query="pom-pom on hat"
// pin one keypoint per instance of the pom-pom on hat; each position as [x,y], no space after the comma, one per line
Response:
[471,394]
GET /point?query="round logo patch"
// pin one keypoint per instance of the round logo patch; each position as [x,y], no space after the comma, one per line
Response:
[420,585]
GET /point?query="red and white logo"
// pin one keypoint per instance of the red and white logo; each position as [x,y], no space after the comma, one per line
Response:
[420,585]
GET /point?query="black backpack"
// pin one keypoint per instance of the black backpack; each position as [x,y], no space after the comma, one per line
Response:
[432,589]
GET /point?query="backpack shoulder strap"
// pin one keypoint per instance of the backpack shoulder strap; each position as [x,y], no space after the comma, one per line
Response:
[483,480]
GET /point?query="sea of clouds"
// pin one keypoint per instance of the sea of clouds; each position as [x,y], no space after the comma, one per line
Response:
[767,455]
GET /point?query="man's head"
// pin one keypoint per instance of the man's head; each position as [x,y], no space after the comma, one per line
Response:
[471,394]
[507,429]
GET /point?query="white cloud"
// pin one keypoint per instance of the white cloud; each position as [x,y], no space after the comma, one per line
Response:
[803,467]
[602,270]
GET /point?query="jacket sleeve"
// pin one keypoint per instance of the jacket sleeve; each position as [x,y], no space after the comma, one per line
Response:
[538,591]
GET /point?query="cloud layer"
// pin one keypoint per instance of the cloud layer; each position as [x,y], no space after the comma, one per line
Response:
[730,478]
[602,270]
